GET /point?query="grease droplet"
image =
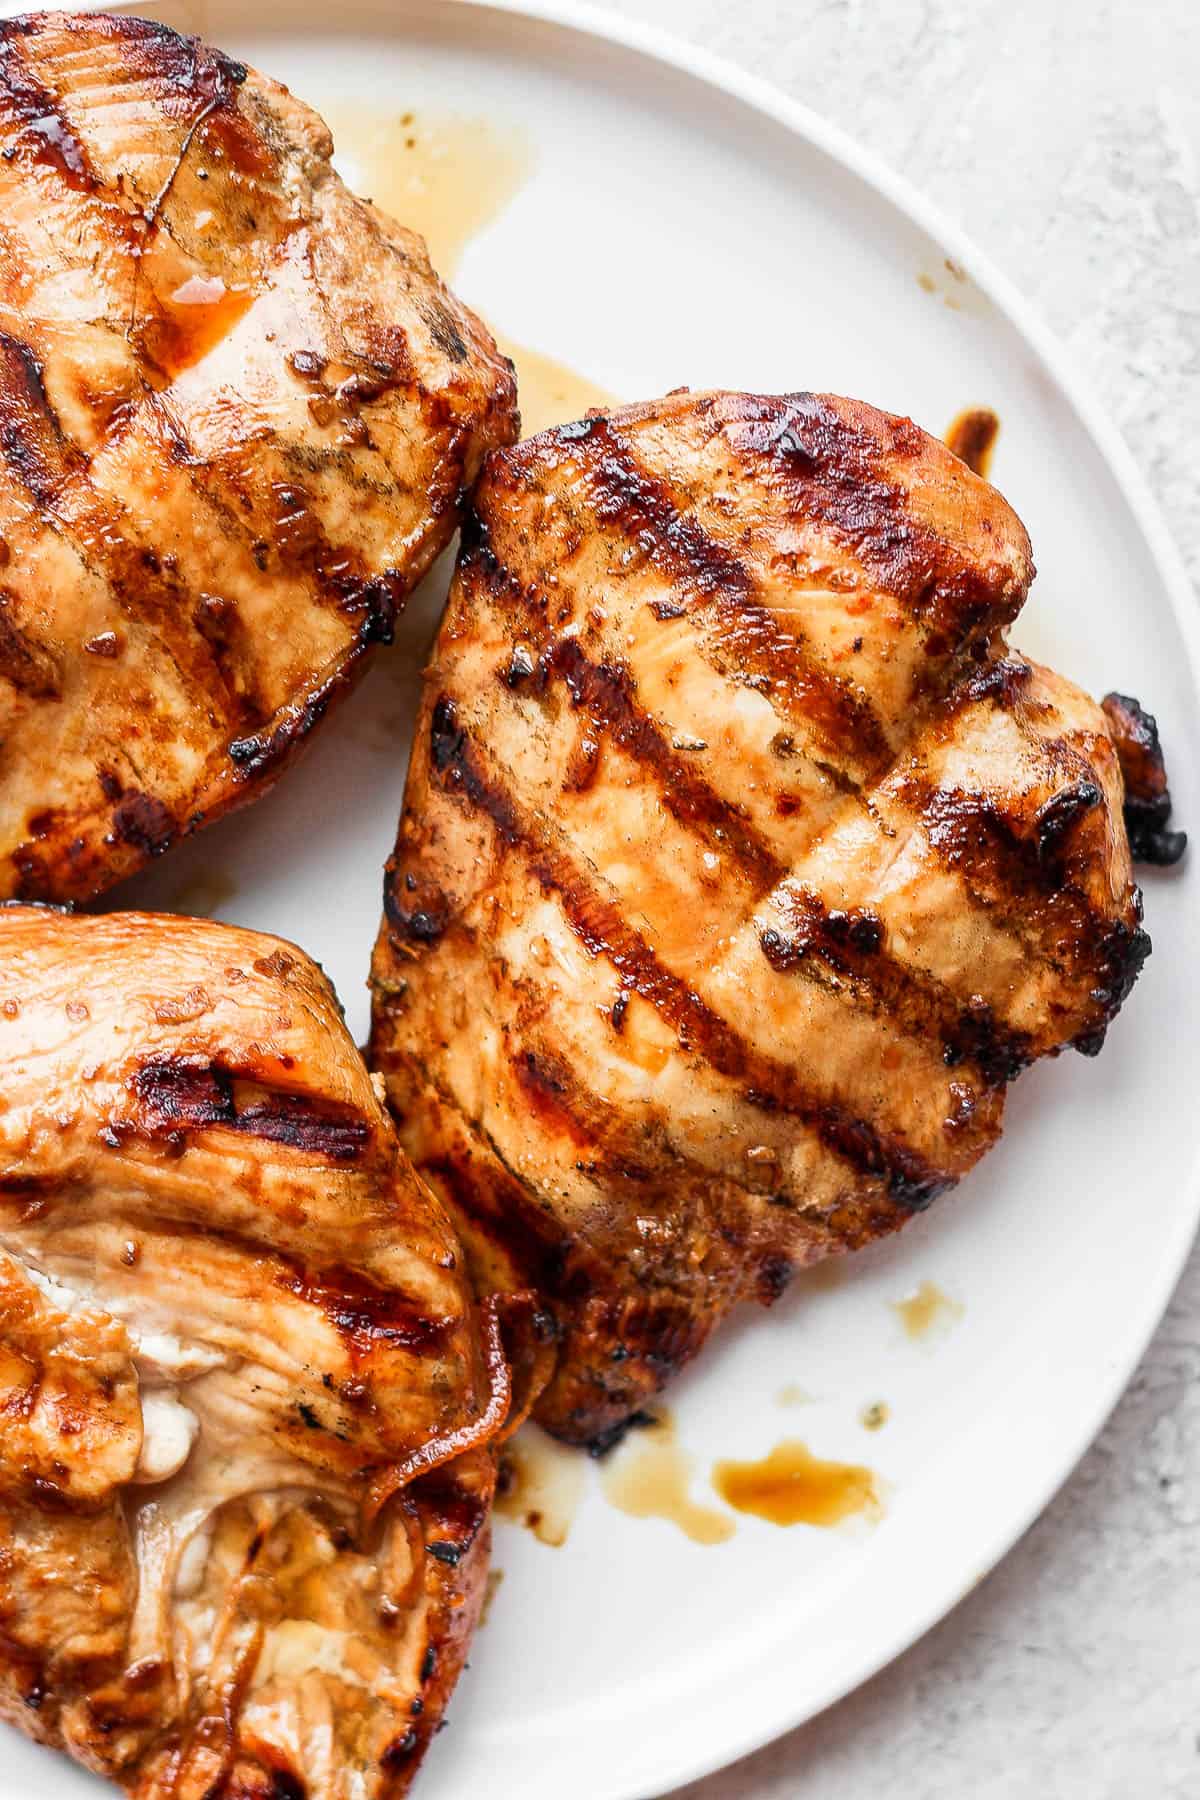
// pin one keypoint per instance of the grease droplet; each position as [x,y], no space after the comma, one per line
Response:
[650,1478]
[791,1486]
[927,1312]
[541,1485]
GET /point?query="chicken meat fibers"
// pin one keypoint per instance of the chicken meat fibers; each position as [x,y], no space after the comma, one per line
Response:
[238,412]
[246,1405]
[742,865]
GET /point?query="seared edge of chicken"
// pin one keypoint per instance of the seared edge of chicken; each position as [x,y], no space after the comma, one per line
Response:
[238,416]
[742,866]
[247,1408]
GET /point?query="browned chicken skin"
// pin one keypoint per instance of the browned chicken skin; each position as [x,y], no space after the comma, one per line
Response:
[246,1406]
[742,866]
[238,413]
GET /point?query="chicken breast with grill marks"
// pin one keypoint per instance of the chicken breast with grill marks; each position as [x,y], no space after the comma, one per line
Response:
[238,413]
[742,866]
[246,1405]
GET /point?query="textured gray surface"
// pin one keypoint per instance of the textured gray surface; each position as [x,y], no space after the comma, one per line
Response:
[1065,136]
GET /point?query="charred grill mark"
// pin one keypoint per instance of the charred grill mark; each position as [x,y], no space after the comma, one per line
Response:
[184,73]
[193,85]
[28,665]
[627,499]
[147,587]
[606,694]
[909,1180]
[1147,795]
[182,1093]
[31,439]
[1026,881]
[44,135]
[617,1154]
[497,1204]
[849,944]
[1056,820]
[365,1314]
[831,471]
[752,648]
[744,641]
[971,833]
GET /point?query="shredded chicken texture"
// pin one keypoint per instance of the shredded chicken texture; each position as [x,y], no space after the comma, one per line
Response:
[238,413]
[743,864]
[246,1404]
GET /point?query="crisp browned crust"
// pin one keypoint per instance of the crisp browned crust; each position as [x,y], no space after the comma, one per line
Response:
[238,416]
[207,1228]
[1147,795]
[742,865]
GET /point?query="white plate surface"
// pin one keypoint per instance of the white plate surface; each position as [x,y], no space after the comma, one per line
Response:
[683,225]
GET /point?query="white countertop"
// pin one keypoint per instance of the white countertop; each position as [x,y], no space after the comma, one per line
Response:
[1065,136]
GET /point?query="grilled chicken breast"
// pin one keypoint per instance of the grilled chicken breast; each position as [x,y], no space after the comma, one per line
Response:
[245,1403]
[742,866]
[238,411]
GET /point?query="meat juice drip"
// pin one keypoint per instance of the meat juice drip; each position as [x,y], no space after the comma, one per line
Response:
[650,1478]
[972,437]
[927,1312]
[791,1486]
[540,1486]
[448,178]
[192,321]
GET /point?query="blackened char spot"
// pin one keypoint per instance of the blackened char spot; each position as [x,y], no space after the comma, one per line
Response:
[999,678]
[1147,795]
[286,1786]
[451,1554]
[1123,954]
[400,1750]
[419,913]
[185,73]
[604,1442]
[1057,818]
[142,821]
[774,1275]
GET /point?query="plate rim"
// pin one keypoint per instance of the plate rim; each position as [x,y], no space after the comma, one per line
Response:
[658,44]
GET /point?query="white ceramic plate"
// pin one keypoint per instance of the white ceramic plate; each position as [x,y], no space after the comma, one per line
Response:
[685,225]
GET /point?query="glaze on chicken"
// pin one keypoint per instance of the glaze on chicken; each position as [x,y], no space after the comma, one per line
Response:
[742,866]
[246,1405]
[238,412]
